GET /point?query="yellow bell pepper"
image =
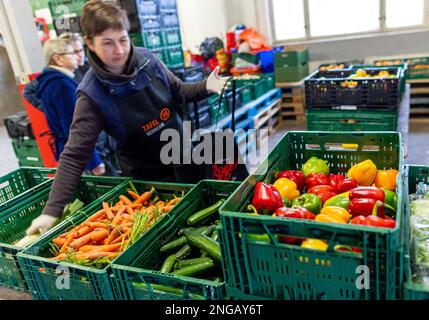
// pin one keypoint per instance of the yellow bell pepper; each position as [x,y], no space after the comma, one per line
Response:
[315,244]
[336,213]
[363,173]
[329,218]
[386,179]
[287,188]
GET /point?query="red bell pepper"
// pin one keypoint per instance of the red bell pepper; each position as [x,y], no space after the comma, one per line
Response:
[374,221]
[324,192]
[316,179]
[295,213]
[295,176]
[266,198]
[364,207]
[334,181]
[346,185]
[368,193]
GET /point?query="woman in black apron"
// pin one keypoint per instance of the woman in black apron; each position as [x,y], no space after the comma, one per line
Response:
[131,95]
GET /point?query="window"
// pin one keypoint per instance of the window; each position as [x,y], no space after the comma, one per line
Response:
[332,17]
[313,19]
[399,14]
[289,19]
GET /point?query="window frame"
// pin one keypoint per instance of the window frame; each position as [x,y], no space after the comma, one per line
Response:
[382,30]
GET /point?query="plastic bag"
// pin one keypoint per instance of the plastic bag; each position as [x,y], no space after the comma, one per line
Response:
[210,46]
[255,40]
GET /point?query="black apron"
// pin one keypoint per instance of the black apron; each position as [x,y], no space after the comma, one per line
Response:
[145,114]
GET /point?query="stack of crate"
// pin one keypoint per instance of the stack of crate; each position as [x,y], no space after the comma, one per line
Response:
[155,26]
[23,142]
[291,65]
[418,77]
[290,68]
[359,98]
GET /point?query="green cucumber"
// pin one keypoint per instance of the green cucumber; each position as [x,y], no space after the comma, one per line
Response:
[204,243]
[214,235]
[195,269]
[183,252]
[189,262]
[179,242]
[205,213]
[168,264]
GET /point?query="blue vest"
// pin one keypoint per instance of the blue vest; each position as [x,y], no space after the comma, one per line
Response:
[102,91]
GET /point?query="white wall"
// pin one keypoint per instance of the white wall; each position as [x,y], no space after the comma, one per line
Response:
[200,19]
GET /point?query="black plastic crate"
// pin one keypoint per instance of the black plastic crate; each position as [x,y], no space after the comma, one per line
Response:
[327,89]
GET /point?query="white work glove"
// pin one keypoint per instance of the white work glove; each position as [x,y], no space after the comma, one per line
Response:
[100,170]
[41,224]
[215,83]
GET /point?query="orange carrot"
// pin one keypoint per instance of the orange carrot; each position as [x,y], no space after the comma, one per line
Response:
[92,255]
[133,195]
[125,200]
[130,210]
[174,201]
[109,212]
[112,236]
[128,217]
[81,232]
[59,242]
[168,208]
[118,204]
[113,255]
[118,216]
[93,225]
[96,216]
[104,248]
[160,204]
[67,243]
[144,197]
[99,234]
[76,244]
[61,256]
[121,237]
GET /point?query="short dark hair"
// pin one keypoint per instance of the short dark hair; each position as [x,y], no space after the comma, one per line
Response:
[99,15]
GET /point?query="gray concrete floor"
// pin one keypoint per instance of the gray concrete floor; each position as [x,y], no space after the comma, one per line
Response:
[418,153]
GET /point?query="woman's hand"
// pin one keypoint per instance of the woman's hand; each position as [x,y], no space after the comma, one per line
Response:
[215,83]
[100,170]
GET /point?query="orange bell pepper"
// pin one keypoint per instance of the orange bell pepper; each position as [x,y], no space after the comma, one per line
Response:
[386,179]
[333,214]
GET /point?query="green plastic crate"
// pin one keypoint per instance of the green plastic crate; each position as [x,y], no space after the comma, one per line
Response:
[27,152]
[174,57]
[291,57]
[330,120]
[137,39]
[257,86]
[291,74]
[417,68]
[85,283]
[256,269]
[245,93]
[171,37]
[270,82]
[136,271]
[217,112]
[15,220]
[414,175]
[152,40]
[22,183]
[251,58]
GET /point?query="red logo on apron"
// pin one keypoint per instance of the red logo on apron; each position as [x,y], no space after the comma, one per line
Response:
[165,114]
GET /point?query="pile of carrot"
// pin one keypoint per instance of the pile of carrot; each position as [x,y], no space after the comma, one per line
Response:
[106,233]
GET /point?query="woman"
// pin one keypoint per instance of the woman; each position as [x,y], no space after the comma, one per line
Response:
[57,91]
[129,93]
[77,44]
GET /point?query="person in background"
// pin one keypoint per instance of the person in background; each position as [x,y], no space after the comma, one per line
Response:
[77,43]
[57,90]
[134,97]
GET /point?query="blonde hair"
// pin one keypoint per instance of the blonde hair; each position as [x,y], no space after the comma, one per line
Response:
[53,47]
[72,37]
